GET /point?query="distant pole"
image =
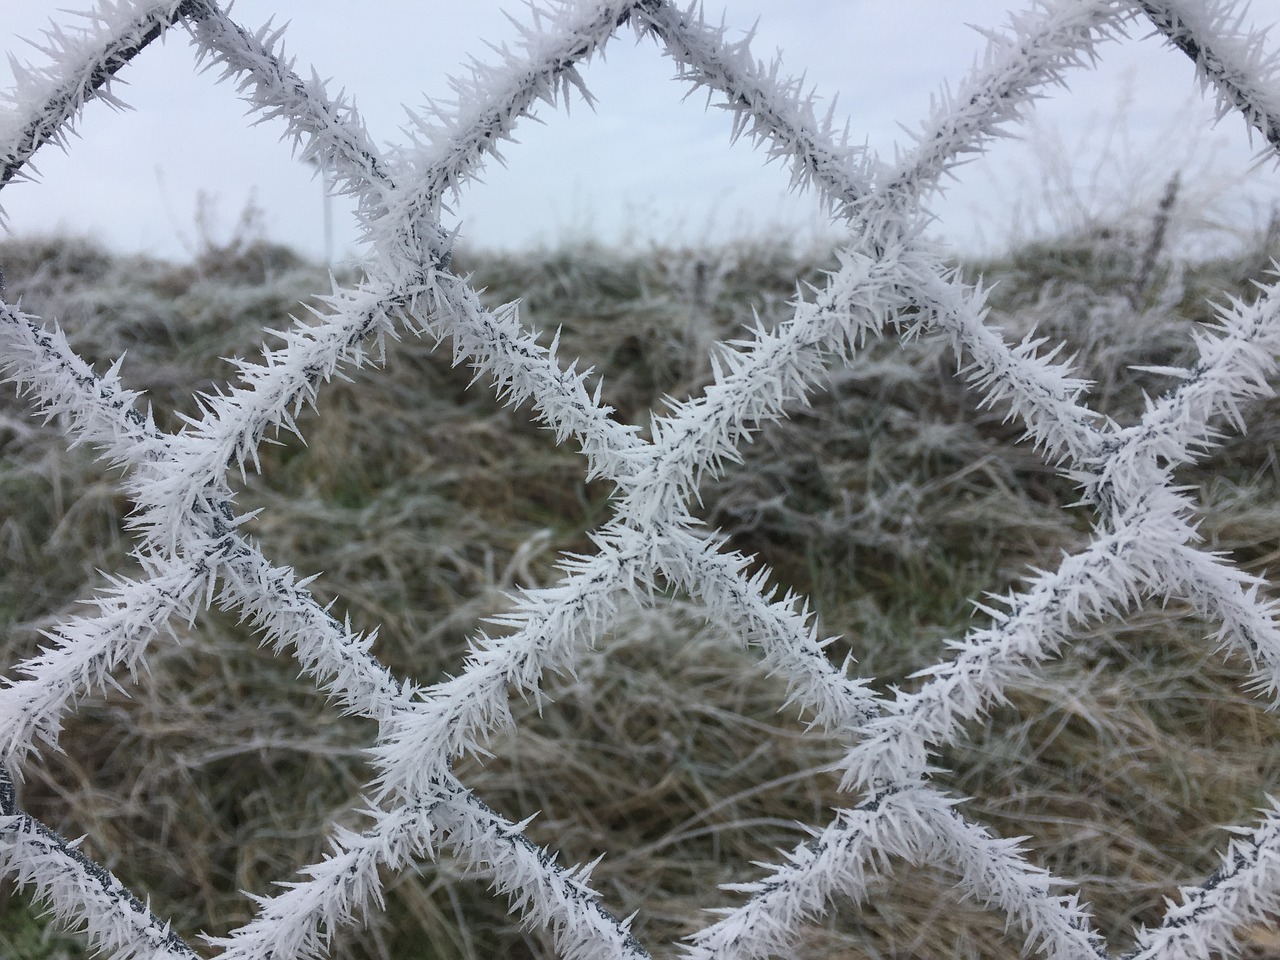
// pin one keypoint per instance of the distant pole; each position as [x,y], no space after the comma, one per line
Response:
[328,217]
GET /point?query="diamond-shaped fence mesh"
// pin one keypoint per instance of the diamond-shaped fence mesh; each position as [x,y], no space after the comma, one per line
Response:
[1143,545]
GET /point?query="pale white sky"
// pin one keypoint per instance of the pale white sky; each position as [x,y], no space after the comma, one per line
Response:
[645,167]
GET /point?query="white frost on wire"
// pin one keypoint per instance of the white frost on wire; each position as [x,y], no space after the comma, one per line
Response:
[888,283]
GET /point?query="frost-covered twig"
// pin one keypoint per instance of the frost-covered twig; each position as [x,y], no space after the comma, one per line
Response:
[327,132]
[917,825]
[88,648]
[1101,579]
[1237,357]
[1014,72]
[1242,892]
[45,102]
[1234,61]
[300,922]
[450,145]
[79,891]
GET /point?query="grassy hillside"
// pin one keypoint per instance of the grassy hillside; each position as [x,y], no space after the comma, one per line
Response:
[891,501]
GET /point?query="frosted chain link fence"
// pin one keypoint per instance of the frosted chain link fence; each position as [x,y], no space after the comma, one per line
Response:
[888,283]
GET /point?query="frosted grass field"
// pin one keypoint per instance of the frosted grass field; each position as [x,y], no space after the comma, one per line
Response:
[887,501]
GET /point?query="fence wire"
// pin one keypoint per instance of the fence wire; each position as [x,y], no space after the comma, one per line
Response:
[192,551]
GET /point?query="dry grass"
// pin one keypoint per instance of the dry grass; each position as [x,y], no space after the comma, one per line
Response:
[890,501]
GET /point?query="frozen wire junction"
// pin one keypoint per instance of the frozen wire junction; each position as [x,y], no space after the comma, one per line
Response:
[889,283]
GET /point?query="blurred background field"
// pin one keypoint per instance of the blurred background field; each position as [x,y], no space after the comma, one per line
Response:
[893,501]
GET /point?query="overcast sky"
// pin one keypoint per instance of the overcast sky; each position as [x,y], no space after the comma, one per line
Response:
[645,167]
